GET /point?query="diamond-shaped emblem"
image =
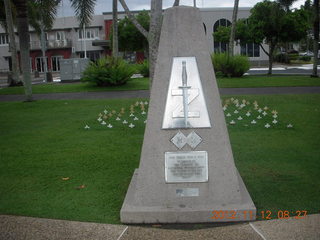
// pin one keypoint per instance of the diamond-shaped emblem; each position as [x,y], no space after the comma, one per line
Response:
[193,139]
[179,140]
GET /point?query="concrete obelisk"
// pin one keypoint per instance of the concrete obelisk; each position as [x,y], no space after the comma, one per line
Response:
[187,172]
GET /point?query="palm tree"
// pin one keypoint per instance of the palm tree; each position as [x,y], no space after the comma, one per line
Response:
[14,80]
[233,27]
[115,47]
[23,31]
[316,38]
[43,21]
[84,10]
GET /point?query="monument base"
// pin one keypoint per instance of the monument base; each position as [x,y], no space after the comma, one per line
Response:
[215,212]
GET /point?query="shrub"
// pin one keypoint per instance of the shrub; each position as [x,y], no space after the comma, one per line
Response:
[144,68]
[230,66]
[108,71]
[294,56]
[305,58]
[136,67]
[282,58]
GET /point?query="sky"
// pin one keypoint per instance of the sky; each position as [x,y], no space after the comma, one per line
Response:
[106,5]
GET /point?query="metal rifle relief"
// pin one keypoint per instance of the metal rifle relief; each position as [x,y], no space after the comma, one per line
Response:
[185,106]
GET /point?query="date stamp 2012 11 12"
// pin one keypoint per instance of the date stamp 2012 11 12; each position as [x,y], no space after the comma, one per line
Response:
[234,215]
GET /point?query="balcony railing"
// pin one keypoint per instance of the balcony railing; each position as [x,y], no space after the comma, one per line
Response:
[52,44]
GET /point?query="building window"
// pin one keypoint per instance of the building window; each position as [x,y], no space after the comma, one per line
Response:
[250,49]
[92,55]
[40,64]
[60,36]
[4,39]
[220,46]
[56,63]
[90,33]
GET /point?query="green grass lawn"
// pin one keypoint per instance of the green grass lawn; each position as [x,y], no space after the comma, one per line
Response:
[134,84]
[143,84]
[52,167]
[268,81]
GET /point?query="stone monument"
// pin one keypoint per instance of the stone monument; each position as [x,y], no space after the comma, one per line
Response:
[187,172]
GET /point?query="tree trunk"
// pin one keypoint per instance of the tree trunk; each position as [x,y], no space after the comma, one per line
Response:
[133,19]
[24,37]
[115,48]
[176,3]
[154,34]
[43,50]
[233,27]
[272,47]
[316,38]
[12,44]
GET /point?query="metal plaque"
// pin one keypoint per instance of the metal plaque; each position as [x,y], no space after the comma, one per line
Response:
[187,192]
[193,139]
[183,167]
[185,106]
[179,140]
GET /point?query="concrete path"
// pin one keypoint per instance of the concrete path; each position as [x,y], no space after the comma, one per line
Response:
[27,228]
[146,93]
[290,69]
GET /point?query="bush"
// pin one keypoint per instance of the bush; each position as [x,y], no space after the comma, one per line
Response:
[136,67]
[230,66]
[305,58]
[144,68]
[108,71]
[294,56]
[282,58]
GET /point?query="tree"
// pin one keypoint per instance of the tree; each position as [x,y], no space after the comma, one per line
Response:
[115,47]
[23,31]
[83,9]
[286,4]
[176,3]
[315,38]
[233,27]
[15,80]
[269,22]
[42,14]
[130,39]
[153,35]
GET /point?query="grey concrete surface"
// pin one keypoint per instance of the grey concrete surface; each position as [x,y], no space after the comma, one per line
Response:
[297,229]
[146,93]
[28,228]
[80,95]
[237,232]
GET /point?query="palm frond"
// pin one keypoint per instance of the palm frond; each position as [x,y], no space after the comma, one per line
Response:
[34,16]
[3,22]
[42,13]
[84,9]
